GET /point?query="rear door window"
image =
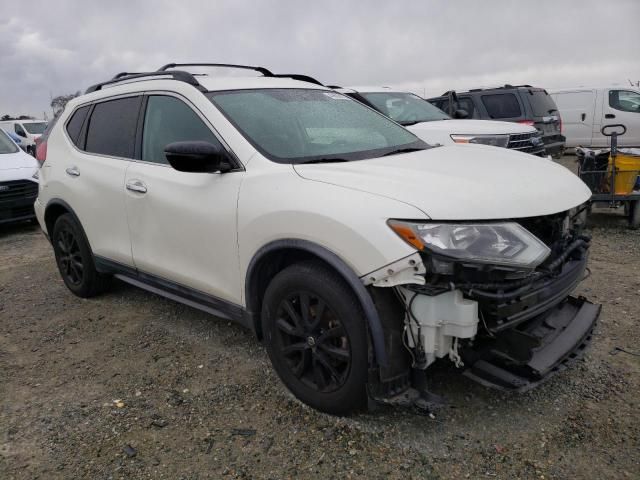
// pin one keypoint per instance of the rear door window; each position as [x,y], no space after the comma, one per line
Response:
[502,105]
[462,104]
[112,127]
[542,104]
[74,125]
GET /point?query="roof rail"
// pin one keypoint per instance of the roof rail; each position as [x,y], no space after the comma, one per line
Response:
[296,76]
[179,75]
[264,71]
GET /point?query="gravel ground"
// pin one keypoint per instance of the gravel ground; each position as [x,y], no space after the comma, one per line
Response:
[129,385]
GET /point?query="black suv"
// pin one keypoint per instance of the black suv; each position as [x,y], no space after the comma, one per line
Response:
[520,103]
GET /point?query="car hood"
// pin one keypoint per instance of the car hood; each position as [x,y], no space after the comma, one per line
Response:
[466,127]
[471,182]
[17,166]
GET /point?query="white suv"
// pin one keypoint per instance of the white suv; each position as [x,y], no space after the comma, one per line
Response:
[434,126]
[359,254]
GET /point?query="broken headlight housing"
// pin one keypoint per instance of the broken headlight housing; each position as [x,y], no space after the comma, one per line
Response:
[505,244]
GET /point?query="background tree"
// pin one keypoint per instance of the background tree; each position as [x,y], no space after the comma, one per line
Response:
[58,103]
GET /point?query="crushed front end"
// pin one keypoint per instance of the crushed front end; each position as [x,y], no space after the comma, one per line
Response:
[493,298]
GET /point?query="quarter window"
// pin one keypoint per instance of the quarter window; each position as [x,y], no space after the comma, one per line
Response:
[112,127]
[624,100]
[19,130]
[169,120]
[504,105]
[74,125]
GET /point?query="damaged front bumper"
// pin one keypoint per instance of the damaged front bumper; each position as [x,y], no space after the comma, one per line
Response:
[510,335]
[522,358]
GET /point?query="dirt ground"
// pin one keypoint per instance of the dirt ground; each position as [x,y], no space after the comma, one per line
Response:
[129,385]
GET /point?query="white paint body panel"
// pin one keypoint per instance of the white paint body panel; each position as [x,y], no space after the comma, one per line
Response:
[462,182]
[17,166]
[583,112]
[440,131]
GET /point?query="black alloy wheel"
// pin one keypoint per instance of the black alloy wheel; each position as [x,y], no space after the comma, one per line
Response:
[69,257]
[316,337]
[313,341]
[74,258]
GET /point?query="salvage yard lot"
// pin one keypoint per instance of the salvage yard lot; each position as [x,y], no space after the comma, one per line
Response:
[129,385]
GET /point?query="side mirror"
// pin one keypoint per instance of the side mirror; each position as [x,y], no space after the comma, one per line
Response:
[461,114]
[197,157]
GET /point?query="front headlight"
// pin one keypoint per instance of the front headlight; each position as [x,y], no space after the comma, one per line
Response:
[493,140]
[507,244]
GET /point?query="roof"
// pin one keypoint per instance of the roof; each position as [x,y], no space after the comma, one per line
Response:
[206,82]
[242,83]
[374,89]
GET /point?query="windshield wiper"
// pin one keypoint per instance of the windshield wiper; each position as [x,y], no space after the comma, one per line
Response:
[408,123]
[325,160]
[404,150]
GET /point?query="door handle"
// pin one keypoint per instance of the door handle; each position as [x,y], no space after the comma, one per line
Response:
[583,116]
[73,171]
[136,186]
[609,115]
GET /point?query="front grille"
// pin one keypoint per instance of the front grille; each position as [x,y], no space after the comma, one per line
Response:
[17,190]
[524,142]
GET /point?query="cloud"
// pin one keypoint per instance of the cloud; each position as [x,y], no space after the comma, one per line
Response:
[428,47]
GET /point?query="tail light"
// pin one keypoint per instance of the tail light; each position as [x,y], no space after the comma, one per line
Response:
[560,123]
[529,123]
[41,151]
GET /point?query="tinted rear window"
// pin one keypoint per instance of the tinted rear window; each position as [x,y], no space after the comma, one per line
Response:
[112,127]
[74,125]
[541,103]
[503,105]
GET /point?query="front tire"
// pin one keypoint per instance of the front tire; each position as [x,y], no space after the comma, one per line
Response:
[75,260]
[316,337]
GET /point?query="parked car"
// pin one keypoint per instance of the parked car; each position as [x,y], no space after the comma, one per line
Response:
[27,130]
[521,104]
[18,182]
[358,253]
[585,111]
[436,127]
[17,140]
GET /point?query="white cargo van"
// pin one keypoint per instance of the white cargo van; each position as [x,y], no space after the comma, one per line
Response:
[584,111]
[27,130]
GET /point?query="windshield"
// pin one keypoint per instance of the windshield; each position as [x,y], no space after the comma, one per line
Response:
[302,125]
[6,144]
[405,108]
[35,128]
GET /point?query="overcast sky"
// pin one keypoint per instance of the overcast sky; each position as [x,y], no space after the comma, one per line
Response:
[50,48]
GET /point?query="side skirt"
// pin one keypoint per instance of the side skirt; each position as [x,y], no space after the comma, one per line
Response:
[175,291]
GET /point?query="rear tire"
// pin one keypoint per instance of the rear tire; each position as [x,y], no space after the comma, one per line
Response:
[634,215]
[75,260]
[316,337]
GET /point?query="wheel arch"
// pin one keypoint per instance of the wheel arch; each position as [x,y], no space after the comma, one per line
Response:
[54,209]
[275,256]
